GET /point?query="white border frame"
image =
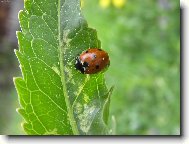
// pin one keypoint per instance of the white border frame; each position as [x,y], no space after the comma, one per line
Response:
[130,140]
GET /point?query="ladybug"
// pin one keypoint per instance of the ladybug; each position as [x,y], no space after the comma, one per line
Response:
[92,61]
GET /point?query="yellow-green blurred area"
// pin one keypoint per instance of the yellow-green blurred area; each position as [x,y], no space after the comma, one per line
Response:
[142,38]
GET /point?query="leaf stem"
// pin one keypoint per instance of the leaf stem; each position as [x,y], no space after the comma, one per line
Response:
[69,108]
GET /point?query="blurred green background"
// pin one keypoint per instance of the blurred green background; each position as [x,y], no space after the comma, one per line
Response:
[142,38]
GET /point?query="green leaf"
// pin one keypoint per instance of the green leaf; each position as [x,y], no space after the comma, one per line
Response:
[54,97]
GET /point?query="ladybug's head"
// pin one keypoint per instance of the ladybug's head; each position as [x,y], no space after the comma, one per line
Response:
[81,66]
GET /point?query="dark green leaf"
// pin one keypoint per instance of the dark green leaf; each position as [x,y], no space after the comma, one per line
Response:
[54,97]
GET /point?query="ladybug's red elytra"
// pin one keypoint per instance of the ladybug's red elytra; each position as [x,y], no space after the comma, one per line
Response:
[92,61]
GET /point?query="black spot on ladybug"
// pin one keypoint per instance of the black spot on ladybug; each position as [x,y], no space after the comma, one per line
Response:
[86,51]
[97,66]
[99,49]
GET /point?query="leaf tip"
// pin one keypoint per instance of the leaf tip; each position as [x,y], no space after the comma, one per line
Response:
[17,33]
[19,13]
[111,90]
[109,93]
[16,52]
[17,110]
[20,111]
[14,79]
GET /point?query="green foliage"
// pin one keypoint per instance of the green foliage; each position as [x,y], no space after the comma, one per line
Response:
[143,41]
[54,97]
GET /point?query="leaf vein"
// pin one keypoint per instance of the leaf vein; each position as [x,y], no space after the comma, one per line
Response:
[45,93]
